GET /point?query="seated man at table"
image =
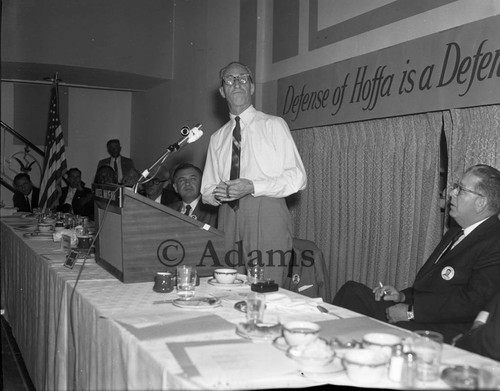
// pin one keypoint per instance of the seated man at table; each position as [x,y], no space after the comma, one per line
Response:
[76,198]
[187,183]
[106,175]
[26,195]
[160,189]
[484,336]
[460,276]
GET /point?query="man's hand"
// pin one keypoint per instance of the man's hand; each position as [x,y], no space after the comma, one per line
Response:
[388,293]
[233,189]
[397,313]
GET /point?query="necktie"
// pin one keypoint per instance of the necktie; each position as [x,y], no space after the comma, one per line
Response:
[450,245]
[188,209]
[115,167]
[235,158]
[28,202]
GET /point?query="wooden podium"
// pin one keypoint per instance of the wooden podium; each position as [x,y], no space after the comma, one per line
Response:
[138,237]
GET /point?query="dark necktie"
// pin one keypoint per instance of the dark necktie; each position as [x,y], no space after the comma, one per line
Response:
[450,245]
[28,202]
[235,158]
[188,209]
[115,167]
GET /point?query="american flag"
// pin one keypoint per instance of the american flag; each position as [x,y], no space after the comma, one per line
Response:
[54,165]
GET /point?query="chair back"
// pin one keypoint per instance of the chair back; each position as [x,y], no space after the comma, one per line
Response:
[307,271]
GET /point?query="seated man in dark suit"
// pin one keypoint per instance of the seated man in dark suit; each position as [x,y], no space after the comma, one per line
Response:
[484,336]
[26,196]
[160,189]
[105,175]
[459,277]
[187,183]
[76,198]
[122,165]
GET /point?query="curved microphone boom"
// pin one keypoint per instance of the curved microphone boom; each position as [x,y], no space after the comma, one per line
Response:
[189,136]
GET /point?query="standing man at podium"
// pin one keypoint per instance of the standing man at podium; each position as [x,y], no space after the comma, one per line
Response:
[252,165]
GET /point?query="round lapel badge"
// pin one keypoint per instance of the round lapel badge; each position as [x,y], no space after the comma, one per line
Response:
[447,273]
[296,278]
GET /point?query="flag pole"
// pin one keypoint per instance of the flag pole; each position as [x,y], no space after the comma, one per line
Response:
[55,156]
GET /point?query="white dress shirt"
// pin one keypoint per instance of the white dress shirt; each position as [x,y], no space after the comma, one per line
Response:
[269,157]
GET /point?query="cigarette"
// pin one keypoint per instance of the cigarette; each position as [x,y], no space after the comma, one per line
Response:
[384,292]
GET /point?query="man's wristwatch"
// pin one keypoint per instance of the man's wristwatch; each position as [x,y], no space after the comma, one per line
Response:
[410,313]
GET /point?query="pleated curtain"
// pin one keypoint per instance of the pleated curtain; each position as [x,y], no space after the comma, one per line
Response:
[372,199]
[473,136]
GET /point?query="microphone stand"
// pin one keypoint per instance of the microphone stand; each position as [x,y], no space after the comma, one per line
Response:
[188,138]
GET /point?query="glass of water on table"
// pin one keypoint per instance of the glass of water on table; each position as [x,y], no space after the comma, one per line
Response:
[186,281]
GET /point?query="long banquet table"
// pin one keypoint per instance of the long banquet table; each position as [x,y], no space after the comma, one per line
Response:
[107,335]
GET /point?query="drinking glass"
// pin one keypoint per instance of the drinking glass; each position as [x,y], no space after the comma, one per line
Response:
[428,345]
[255,274]
[255,307]
[186,281]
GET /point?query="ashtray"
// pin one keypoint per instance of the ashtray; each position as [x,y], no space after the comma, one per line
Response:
[461,377]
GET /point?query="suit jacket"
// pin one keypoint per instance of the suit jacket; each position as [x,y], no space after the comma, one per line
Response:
[205,213]
[20,203]
[126,163]
[485,339]
[82,203]
[169,196]
[449,294]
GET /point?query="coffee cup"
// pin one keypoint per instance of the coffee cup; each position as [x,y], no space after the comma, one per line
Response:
[84,242]
[164,282]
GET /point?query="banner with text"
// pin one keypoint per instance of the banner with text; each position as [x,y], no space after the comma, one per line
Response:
[459,67]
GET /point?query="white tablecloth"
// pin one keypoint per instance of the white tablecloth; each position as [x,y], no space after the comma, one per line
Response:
[106,335]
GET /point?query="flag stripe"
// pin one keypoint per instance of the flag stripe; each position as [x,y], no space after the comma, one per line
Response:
[55,156]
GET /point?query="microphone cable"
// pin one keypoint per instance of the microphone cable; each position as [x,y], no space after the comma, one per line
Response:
[70,303]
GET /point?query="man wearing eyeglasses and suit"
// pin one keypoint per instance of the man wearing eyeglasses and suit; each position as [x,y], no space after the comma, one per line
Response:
[160,189]
[252,165]
[460,276]
[187,183]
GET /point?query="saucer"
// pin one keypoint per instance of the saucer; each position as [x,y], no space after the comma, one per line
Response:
[259,332]
[281,344]
[320,372]
[237,282]
[46,233]
[197,303]
[41,235]
[25,227]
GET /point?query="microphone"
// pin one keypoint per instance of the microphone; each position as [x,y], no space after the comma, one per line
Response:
[189,136]
[195,133]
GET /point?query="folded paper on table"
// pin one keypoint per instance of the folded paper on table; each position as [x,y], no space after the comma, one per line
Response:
[356,328]
[178,349]
[219,365]
[198,325]
[281,302]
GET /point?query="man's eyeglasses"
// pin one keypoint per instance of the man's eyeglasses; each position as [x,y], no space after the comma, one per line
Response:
[155,181]
[230,80]
[460,188]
